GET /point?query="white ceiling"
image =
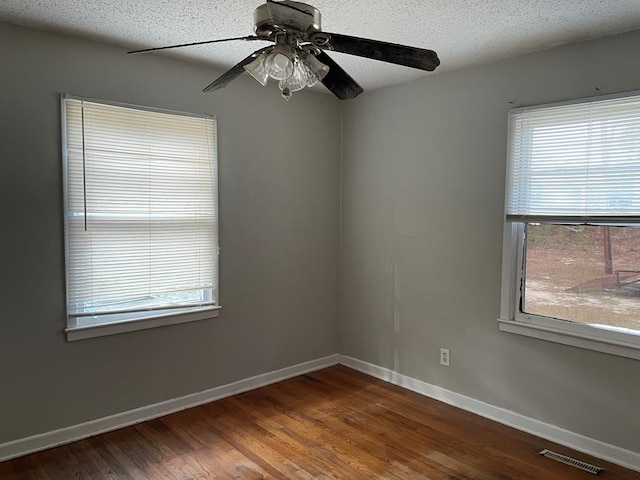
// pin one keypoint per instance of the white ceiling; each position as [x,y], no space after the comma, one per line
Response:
[463,32]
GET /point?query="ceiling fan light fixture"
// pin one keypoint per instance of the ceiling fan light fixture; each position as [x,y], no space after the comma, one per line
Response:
[256,69]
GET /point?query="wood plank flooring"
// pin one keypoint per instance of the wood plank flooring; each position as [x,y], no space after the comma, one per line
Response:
[332,424]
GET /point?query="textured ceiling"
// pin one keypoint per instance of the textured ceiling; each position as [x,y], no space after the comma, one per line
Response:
[463,32]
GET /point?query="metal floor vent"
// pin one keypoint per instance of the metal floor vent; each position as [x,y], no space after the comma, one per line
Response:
[572,461]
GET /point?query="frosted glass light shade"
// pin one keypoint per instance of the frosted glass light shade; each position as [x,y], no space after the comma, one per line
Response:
[298,79]
[279,63]
[316,70]
[256,69]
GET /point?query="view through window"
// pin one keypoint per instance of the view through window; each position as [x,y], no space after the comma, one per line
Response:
[582,273]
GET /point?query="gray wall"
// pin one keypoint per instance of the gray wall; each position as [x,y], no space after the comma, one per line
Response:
[279,208]
[423,194]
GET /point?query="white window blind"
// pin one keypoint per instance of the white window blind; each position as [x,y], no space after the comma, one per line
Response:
[141,213]
[577,162]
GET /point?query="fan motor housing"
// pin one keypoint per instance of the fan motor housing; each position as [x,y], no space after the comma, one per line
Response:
[285,16]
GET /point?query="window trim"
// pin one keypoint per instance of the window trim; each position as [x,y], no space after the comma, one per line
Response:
[80,328]
[512,320]
[139,321]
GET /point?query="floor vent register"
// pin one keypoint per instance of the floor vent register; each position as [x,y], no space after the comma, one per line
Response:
[571,461]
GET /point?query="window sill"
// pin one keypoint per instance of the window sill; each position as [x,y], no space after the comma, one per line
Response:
[558,332]
[94,327]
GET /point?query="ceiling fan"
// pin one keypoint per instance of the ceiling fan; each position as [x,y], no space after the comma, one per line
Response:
[298,58]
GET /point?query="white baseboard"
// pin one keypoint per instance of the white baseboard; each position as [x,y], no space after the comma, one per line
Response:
[42,441]
[596,448]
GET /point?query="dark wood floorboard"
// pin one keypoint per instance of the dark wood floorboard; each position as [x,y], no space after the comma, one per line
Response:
[332,424]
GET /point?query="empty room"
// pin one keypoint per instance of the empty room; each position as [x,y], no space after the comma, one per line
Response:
[325,240]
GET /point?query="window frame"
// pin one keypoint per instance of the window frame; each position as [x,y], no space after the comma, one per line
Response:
[90,326]
[513,320]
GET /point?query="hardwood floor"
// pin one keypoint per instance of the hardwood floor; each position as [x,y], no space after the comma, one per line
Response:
[334,423]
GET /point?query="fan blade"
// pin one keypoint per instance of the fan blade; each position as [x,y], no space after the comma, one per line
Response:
[234,72]
[338,81]
[385,52]
[144,50]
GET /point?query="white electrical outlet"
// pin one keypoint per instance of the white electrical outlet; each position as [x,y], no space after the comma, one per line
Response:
[444,357]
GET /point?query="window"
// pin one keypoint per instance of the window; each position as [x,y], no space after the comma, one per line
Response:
[140,217]
[571,262]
